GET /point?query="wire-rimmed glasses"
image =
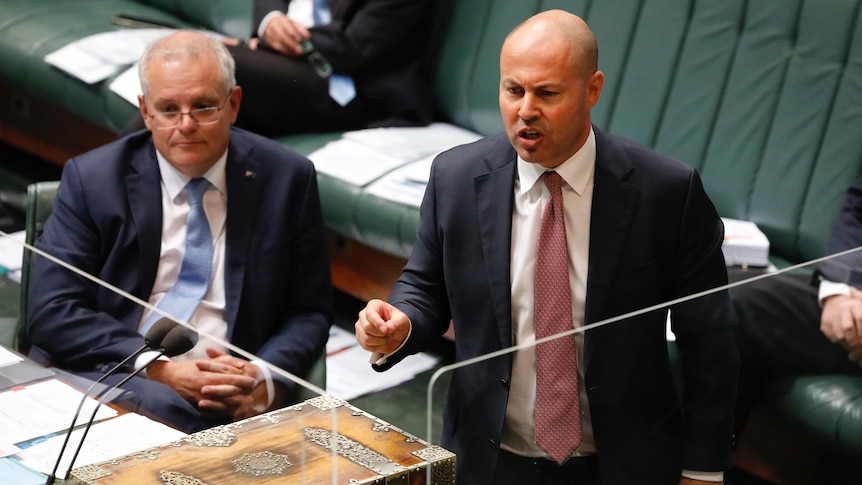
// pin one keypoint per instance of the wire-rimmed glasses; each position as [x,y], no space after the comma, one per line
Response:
[165,120]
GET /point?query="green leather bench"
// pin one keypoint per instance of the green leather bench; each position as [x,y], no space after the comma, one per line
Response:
[764,98]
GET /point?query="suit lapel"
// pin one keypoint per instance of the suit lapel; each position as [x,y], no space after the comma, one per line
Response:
[143,185]
[243,190]
[614,204]
[494,203]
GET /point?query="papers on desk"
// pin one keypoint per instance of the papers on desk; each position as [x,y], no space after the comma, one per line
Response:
[109,439]
[7,357]
[744,244]
[13,472]
[349,375]
[360,157]
[99,56]
[127,85]
[12,250]
[41,409]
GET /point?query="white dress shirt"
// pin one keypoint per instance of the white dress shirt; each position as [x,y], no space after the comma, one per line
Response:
[531,195]
[298,10]
[208,318]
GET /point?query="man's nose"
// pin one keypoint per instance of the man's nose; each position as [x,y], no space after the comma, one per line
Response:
[529,109]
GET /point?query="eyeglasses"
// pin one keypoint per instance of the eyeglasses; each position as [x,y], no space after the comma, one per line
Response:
[319,63]
[165,120]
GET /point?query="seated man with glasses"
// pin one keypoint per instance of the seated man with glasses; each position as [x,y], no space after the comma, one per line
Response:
[326,65]
[211,224]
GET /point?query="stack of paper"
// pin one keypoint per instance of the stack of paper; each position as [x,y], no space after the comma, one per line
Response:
[349,374]
[373,156]
[744,244]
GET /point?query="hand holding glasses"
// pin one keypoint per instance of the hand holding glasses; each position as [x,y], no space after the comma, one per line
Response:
[319,63]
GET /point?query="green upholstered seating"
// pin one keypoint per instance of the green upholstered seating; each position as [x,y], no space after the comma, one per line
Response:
[764,98]
[40,200]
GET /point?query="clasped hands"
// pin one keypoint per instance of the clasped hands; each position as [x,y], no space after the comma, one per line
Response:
[220,385]
[841,322]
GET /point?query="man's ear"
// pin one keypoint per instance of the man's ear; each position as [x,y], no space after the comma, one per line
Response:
[142,107]
[594,88]
[235,98]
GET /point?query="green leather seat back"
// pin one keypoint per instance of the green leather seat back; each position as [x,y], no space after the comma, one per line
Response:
[231,17]
[31,30]
[762,97]
[40,201]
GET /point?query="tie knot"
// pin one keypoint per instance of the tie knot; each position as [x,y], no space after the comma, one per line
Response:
[552,181]
[196,188]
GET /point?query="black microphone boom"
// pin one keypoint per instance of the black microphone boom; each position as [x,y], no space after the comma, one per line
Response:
[178,340]
[153,339]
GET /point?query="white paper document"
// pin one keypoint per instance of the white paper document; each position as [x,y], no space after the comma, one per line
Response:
[7,357]
[99,56]
[12,250]
[127,85]
[412,143]
[109,439]
[349,375]
[363,156]
[36,410]
[405,185]
[744,244]
[352,162]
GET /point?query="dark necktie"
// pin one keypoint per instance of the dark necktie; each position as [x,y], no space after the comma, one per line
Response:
[191,286]
[558,417]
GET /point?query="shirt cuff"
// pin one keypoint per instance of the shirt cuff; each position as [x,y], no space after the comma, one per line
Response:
[145,358]
[379,358]
[261,29]
[704,476]
[831,288]
[264,374]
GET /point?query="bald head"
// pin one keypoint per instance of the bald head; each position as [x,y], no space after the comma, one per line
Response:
[566,31]
[548,85]
[186,46]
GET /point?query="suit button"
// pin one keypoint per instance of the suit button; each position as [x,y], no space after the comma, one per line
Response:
[492,444]
[505,384]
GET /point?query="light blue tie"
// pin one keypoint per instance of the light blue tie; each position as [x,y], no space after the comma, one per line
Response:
[191,286]
[341,86]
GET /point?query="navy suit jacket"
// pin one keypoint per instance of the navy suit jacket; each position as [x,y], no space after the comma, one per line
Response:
[654,237]
[107,221]
[846,235]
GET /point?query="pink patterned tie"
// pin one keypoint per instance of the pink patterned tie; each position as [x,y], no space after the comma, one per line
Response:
[558,417]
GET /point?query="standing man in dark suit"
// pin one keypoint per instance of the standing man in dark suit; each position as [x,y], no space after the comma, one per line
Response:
[120,215]
[378,46]
[793,324]
[639,231]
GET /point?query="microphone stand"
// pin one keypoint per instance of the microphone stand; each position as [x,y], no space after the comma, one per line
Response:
[102,396]
[176,341]
[117,367]
[153,338]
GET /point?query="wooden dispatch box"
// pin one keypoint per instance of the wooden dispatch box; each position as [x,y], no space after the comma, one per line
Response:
[290,445]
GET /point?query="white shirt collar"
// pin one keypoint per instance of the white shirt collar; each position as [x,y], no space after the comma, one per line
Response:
[576,171]
[175,181]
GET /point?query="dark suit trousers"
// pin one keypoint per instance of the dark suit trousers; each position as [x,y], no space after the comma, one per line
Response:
[514,469]
[283,95]
[779,335]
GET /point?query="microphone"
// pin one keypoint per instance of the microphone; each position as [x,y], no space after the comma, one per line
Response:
[153,339]
[178,340]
